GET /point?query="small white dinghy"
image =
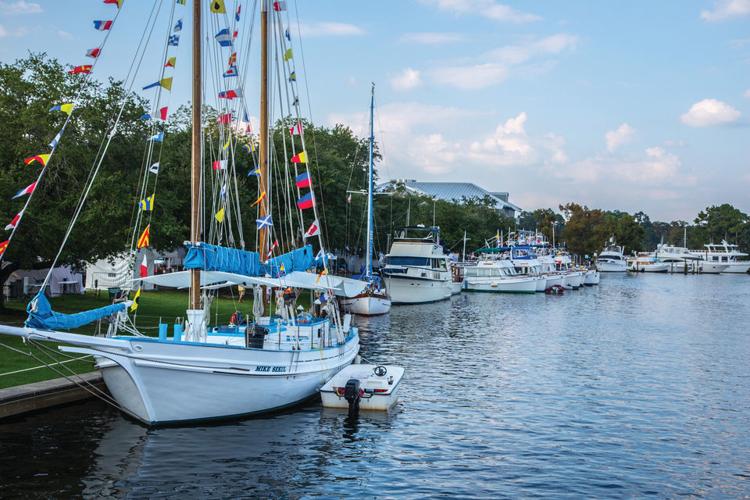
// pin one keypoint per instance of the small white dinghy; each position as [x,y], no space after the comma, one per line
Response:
[366,387]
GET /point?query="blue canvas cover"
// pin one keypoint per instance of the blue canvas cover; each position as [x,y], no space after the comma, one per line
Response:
[300,259]
[217,258]
[43,317]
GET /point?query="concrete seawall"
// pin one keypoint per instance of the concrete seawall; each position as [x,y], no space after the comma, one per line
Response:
[27,398]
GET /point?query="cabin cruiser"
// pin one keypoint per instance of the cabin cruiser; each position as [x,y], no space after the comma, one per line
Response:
[725,253]
[682,260]
[498,275]
[647,263]
[526,263]
[417,270]
[611,259]
[591,277]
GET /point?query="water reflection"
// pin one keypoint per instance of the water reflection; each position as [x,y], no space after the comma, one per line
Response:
[636,387]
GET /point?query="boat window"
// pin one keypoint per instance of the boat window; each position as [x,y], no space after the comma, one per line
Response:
[408,261]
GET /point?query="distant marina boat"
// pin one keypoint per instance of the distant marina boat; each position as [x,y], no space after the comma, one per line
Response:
[725,253]
[498,275]
[647,263]
[612,259]
[416,269]
[680,259]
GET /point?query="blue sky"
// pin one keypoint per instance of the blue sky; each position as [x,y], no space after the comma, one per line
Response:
[637,105]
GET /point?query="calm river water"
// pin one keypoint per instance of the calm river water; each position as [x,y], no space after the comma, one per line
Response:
[640,386]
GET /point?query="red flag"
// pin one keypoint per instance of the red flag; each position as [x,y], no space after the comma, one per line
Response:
[93,52]
[296,129]
[280,5]
[232,59]
[270,250]
[224,119]
[14,221]
[4,247]
[144,267]
[313,230]
[114,2]
[81,70]
[163,113]
[220,165]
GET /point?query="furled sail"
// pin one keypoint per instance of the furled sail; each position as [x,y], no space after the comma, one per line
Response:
[43,317]
[233,260]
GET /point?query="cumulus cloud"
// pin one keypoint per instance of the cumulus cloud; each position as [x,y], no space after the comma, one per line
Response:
[521,53]
[406,80]
[618,137]
[431,38]
[726,9]
[555,146]
[330,29]
[489,9]
[13,32]
[508,145]
[20,7]
[710,112]
[653,168]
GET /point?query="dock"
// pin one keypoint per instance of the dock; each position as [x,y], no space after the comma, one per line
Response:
[27,398]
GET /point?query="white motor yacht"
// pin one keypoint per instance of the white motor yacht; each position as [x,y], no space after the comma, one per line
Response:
[612,259]
[647,263]
[498,275]
[417,270]
[725,254]
[681,260]
[572,278]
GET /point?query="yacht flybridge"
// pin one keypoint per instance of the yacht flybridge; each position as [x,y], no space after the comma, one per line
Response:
[279,357]
[416,269]
[725,254]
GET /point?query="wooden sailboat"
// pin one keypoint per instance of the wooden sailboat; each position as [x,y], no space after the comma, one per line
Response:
[215,373]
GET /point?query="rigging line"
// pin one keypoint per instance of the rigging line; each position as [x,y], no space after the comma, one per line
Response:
[97,165]
[23,370]
[324,228]
[81,87]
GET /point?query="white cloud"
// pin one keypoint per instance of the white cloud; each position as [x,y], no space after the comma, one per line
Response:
[508,145]
[64,35]
[498,63]
[20,7]
[406,80]
[431,38]
[726,9]
[709,112]
[489,9]
[330,29]
[521,53]
[472,77]
[14,32]
[652,169]
[616,138]
[555,146]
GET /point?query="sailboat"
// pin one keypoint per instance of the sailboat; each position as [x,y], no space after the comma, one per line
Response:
[201,372]
[374,300]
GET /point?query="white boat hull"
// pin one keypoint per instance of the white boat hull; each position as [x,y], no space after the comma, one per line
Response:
[369,305]
[611,267]
[573,280]
[591,278]
[737,268]
[501,285]
[711,267]
[657,267]
[456,287]
[161,382]
[417,291]
[380,393]
[541,284]
[553,280]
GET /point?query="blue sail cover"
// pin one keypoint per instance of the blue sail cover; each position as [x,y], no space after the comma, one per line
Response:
[43,317]
[229,260]
[300,259]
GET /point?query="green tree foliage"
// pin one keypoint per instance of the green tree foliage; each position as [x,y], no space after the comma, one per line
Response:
[542,220]
[587,230]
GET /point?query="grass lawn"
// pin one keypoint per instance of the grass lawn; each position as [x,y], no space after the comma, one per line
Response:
[153,306]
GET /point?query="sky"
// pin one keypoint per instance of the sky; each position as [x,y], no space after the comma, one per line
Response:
[636,105]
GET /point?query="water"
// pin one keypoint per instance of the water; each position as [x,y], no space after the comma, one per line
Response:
[640,386]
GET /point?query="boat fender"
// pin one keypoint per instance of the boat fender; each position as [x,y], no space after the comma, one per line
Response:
[353,394]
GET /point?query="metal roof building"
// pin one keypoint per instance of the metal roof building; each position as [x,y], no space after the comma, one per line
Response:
[456,192]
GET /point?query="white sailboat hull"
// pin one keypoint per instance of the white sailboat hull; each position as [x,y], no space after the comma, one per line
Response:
[408,290]
[368,305]
[160,382]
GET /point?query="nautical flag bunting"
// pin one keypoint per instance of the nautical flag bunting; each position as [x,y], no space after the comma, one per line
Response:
[300,157]
[217,7]
[306,202]
[288,54]
[230,94]
[164,82]
[220,215]
[154,169]
[313,230]
[102,25]
[147,204]
[296,129]
[14,221]
[145,239]
[3,247]
[65,108]
[163,113]
[264,222]
[177,26]
[274,245]
[174,40]
[157,137]
[37,158]
[224,37]
[84,69]
[136,298]
[279,5]
[224,118]
[93,53]
[303,180]
[220,165]
[260,198]
[171,61]
[27,190]
[114,2]
[144,267]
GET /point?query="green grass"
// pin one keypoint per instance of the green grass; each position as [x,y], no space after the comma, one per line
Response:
[153,306]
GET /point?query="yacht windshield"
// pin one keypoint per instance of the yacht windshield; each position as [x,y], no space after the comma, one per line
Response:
[408,261]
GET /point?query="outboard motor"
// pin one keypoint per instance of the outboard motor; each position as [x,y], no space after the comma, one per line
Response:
[352,394]
[255,336]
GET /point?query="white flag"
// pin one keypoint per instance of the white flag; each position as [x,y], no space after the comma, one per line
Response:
[154,169]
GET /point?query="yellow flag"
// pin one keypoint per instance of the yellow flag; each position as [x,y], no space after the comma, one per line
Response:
[171,61]
[166,83]
[229,140]
[136,298]
[288,54]
[217,7]
[220,215]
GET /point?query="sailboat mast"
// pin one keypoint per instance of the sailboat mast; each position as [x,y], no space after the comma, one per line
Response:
[368,257]
[195,170]
[263,137]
